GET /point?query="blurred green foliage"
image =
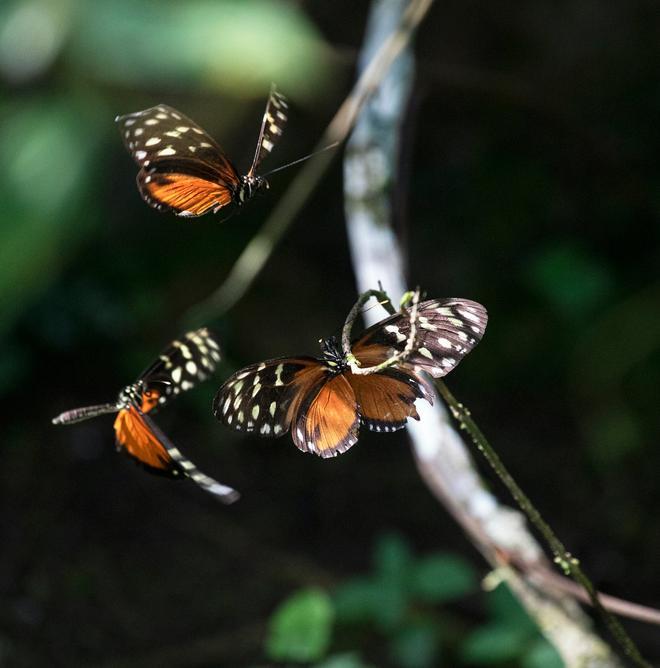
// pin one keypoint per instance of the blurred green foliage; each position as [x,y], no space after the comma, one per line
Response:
[300,628]
[406,602]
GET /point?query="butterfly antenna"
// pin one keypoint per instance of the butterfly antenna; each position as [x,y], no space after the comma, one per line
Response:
[80,414]
[307,157]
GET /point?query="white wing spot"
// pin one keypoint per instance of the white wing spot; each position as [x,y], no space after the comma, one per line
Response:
[445,343]
[140,155]
[173,133]
[448,362]
[137,132]
[163,117]
[225,408]
[255,411]
[257,387]
[469,315]
[278,375]
[265,429]
[186,385]
[277,429]
[129,121]
[151,121]
[237,402]
[271,408]
[240,417]
[176,374]
[152,141]
[182,128]
[167,151]
[268,145]
[426,352]
[191,368]
[204,144]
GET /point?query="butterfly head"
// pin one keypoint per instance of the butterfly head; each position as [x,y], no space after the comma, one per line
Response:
[131,395]
[332,354]
[250,185]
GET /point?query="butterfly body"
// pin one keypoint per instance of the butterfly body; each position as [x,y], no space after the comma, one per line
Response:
[323,403]
[184,170]
[178,368]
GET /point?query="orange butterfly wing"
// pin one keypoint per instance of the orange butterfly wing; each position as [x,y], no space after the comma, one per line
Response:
[138,441]
[327,421]
[184,194]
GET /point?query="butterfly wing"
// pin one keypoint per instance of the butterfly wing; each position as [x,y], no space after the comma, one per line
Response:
[447,330]
[182,365]
[327,421]
[264,397]
[182,168]
[141,439]
[272,126]
[138,441]
[387,399]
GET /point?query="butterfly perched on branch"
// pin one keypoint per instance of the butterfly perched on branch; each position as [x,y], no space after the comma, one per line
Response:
[323,403]
[178,368]
[184,170]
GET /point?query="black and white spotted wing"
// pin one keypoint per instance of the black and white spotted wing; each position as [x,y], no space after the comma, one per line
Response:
[264,397]
[184,170]
[272,126]
[447,330]
[183,364]
[180,466]
[323,403]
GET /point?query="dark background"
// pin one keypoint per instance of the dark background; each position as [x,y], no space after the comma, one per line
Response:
[531,182]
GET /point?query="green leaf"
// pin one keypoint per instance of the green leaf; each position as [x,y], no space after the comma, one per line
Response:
[392,558]
[541,654]
[300,628]
[442,577]
[415,647]
[370,600]
[346,660]
[506,610]
[494,643]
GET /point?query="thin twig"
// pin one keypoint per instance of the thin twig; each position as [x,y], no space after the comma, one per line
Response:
[398,357]
[260,248]
[567,562]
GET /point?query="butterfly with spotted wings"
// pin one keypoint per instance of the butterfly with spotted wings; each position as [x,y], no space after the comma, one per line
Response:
[178,368]
[323,403]
[184,170]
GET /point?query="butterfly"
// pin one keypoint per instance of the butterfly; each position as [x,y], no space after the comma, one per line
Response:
[184,170]
[178,368]
[322,403]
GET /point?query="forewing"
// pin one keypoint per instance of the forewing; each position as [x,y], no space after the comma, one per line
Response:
[182,193]
[184,363]
[327,421]
[188,469]
[447,330]
[183,169]
[272,126]
[264,397]
[387,399]
[138,441]
[141,439]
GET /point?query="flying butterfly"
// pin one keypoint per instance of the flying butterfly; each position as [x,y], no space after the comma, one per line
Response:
[184,170]
[178,368]
[323,403]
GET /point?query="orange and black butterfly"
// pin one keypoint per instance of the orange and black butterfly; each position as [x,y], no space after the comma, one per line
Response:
[178,368]
[322,403]
[184,170]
